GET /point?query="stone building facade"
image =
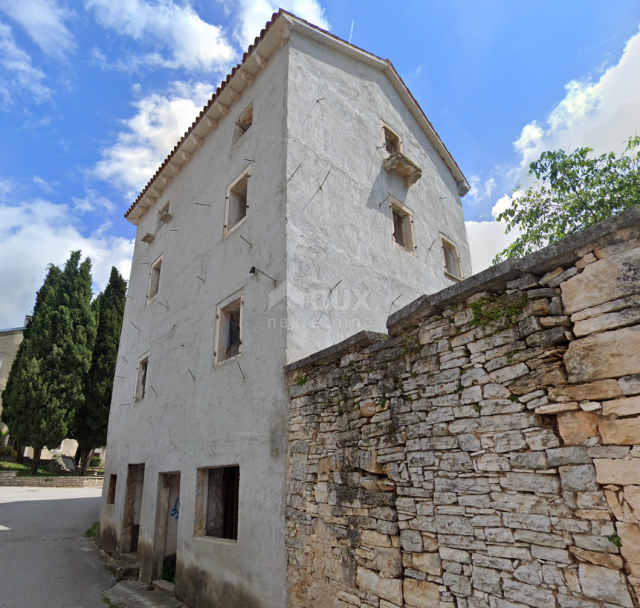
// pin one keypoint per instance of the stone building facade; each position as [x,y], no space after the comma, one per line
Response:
[10,340]
[309,197]
[486,452]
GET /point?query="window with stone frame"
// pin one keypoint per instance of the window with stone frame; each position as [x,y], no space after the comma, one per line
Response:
[391,140]
[452,266]
[402,225]
[217,502]
[154,279]
[229,329]
[237,201]
[141,382]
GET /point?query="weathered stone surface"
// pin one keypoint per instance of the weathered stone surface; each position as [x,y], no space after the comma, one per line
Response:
[530,482]
[604,355]
[629,406]
[604,584]
[630,537]
[572,455]
[618,472]
[529,595]
[630,385]
[509,373]
[421,594]
[607,560]
[593,391]
[632,498]
[614,277]
[576,427]
[487,580]
[620,432]
[541,439]
[529,572]
[612,320]
[427,562]
[411,540]
[580,478]
[528,460]
[389,589]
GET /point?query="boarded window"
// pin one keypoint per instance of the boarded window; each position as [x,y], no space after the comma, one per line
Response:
[111,494]
[391,141]
[154,281]
[451,259]
[141,384]
[229,331]
[402,225]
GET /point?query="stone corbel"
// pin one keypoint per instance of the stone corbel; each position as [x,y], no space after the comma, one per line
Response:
[195,139]
[175,168]
[286,34]
[260,60]
[166,180]
[186,157]
[234,94]
[248,78]
[153,192]
[224,110]
[148,238]
[212,123]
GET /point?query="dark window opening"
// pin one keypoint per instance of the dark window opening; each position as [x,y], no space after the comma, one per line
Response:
[451,260]
[154,283]
[398,236]
[229,329]
[391,141]
[238,197]
[111,495]
[222,503]
[141,386]
[402,226]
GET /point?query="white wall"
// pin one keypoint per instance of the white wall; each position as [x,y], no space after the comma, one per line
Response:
[344,233]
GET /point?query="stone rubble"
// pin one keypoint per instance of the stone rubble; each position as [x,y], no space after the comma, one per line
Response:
[473,460]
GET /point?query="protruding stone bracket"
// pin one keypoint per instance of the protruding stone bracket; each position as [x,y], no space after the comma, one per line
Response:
[165,180]
[212,123]
[405,167]
[224,110]
[153,192]
[260,60]
[175,168]
[186,157]
[235,95]
[148,238]
[286,34]
[196,140]
[248,78]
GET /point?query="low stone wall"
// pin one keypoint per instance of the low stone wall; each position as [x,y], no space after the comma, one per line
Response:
[11,478]
[485,454]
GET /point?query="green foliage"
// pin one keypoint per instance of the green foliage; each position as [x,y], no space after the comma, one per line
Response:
[513,399]
[169,573]
[573,191]
[486,313]
[92,414]
[477,407]
[6,451]
[459,388]
[92,531]
[24,470]
[302,380]
[96,463]
[615,540]
[383,403]
[45,384]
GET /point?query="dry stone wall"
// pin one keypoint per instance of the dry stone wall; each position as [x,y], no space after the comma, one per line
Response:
[485,454]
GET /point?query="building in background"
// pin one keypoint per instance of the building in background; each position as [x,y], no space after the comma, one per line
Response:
[309,199]
[10,340]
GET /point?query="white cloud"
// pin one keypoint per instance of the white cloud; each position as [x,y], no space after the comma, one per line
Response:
[93,202]
[486,240]
[44,184]
[254,14]
[44,22]
[191,43]
[601,115]
[37,233]
[150,135]
[17,73]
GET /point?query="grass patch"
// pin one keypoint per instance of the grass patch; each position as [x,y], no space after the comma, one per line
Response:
[169,573]
[24,470]
[92,531]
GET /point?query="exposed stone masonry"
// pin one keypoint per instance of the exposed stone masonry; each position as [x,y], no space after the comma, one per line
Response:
[486,453]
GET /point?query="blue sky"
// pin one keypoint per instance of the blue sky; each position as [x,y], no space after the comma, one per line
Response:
[93,95]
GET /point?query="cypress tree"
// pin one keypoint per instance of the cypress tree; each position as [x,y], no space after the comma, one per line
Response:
[60,340]
[92,417]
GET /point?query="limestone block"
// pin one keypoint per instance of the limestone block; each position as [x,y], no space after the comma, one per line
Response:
[495,563]
[411,540]
[561,556]
[617,472]
[529,460]
[458,585]
[525,521]
[492,462]
[608,451]
[607,560]
[609,279]
[604,584]
[628,406]
[427,562]
[564,456]
[421,594]
[612,320]
[580,478]
[630,385]
[541,440]
[620,432]
[388,589]
[374,539]
[455,555]
[509,373]
[593,391]
[453,524]
[529,595]
[389,561]
[556,408]
[529,572]
[487,580]
[576,427]
[630,537]
[604,355]
[632,498]
[531,482]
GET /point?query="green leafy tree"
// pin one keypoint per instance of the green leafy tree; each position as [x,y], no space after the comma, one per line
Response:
[572,192]
[47,387]
[92,417]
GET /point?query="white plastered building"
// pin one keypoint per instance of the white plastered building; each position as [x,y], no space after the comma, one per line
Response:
[310,198]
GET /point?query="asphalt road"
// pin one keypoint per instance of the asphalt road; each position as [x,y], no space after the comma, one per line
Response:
[45,561]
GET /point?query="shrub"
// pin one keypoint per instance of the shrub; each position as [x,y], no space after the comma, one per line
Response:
[96,463]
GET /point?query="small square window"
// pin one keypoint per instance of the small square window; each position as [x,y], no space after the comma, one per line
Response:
[451,260]
[229,325]
[217,498]
[402,220]
[111,494]
[243,123]
[154,280]
[237,201]
[141,383]
[392,143]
